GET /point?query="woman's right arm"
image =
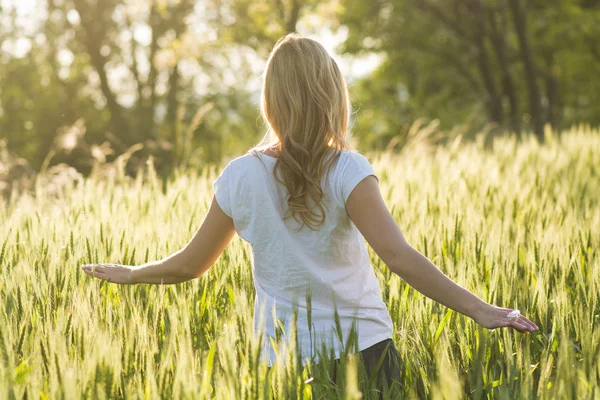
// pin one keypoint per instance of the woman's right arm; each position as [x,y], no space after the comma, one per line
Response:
[369,213]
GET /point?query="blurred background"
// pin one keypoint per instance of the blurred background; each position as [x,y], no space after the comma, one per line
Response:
[84,82]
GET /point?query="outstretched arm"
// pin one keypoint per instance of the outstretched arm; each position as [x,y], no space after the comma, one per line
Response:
[193,260]
[369,213]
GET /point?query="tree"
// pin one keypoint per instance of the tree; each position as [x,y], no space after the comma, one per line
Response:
[519,17]
[461,61]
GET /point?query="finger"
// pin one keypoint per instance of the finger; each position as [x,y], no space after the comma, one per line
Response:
[99,275]
[526,322]
[104,277]
[91,272]
[514,323]
[532,327]
[97,267]
[533,323]
[100,268]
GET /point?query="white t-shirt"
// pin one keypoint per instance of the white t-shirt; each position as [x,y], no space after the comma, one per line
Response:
[331,263]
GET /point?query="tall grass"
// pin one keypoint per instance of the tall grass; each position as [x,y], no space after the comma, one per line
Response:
[517,223]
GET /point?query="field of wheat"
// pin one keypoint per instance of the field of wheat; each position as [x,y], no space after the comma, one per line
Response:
[518,223]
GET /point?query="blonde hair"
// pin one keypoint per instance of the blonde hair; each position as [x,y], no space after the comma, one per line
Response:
[305,104]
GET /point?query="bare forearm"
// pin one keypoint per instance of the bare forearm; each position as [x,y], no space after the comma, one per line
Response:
[170,270]
[420,273]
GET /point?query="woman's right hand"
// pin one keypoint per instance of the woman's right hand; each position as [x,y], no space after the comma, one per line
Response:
[492,317]
[378,226]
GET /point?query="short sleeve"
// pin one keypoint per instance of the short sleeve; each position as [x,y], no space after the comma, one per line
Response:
[222,190]
[354,169]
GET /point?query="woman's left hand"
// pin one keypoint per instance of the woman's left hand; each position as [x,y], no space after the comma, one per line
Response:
[114,273]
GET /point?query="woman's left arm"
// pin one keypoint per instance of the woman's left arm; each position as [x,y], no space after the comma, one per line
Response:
[193,260]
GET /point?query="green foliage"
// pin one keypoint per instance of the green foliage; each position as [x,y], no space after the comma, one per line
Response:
[515,64]
[133,72]
[138,71]
[517,223]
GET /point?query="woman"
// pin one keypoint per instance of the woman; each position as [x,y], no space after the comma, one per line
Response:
[304,201]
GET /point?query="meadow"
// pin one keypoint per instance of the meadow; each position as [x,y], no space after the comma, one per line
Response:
[517,222]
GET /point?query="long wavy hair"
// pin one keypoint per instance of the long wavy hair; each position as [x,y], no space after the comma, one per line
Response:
[304,102]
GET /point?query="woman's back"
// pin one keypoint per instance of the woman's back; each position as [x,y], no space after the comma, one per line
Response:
[319,253]
[292,262]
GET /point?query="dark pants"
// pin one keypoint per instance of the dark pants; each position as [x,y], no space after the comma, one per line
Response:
[381,363]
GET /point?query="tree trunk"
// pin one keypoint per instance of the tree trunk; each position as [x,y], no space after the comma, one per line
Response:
[92,41]
[493,101]
[508,86]
[294,15]
[148,118]
[182,10]
[520,21]
[135,70]
[70,92]
[552,93]
[173,103]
